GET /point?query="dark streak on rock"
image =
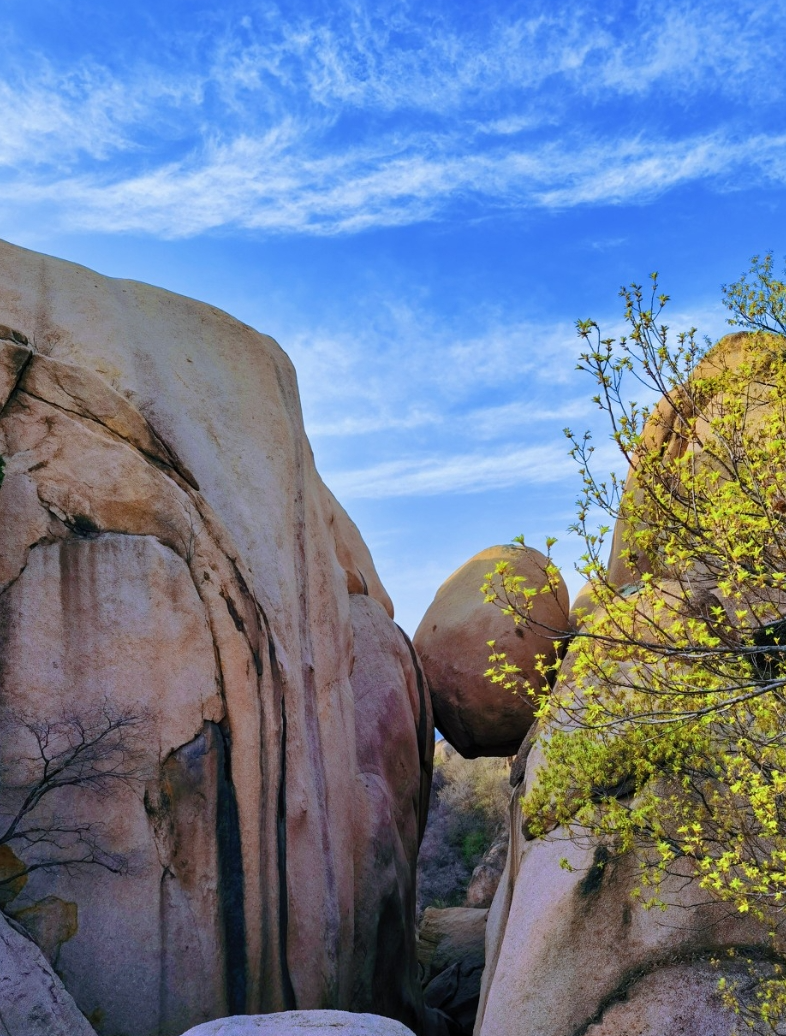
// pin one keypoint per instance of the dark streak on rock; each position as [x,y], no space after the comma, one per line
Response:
[235,615]
[19,375]
[631,978]
[593,879]
[231,886]
[287,988]
[426,758]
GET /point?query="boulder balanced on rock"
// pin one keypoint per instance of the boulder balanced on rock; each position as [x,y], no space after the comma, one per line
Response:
[476,716]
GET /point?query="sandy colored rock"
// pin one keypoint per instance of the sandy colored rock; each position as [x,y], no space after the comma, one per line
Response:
[486,876]
[293,1023]
[33,1000]
[352,554]
[570,941]
[476,716]
[13,358]
[168,549]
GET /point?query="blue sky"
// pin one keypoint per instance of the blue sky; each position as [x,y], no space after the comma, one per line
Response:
[417,200]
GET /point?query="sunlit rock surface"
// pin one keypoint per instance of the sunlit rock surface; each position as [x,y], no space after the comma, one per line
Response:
[571,951]
[169,552]
[476,716]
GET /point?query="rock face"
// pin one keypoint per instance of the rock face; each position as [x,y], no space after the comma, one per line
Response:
[295,1023]
[451,954]
[170,556]
[573,951]
[391,802]
[452,640]
[33,1000]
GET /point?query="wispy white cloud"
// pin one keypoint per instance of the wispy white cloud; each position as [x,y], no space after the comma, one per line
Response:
[367,118]
[460,473]
[510,418]
[395,367]
[278,183]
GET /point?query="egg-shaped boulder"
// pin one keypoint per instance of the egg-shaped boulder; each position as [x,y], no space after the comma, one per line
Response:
[476,716]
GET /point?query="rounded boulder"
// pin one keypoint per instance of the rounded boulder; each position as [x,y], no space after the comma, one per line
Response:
[477,717]
[293,1023]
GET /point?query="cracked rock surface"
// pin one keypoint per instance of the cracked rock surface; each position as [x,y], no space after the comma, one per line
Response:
[571,952]
[168,549]
[33,1000]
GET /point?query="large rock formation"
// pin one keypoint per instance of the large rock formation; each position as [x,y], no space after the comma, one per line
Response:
[476,716]
[571,951]
[176,580]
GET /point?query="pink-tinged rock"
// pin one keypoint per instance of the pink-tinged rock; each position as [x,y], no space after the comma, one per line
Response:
[168,550]
[395,737]
[295,1023]
[476,716]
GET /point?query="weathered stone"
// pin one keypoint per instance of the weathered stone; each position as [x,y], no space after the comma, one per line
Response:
[476,716]
[570,939]
[293,1023]
[13,358]
[33,1000]
[50,922]
[673,999]
[486,876]
[168,551]
[352,554]
[11,335]
[395,738]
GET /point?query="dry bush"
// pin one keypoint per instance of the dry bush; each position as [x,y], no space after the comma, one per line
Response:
[468,810]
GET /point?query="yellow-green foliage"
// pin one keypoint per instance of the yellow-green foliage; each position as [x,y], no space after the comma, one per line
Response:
[665,734]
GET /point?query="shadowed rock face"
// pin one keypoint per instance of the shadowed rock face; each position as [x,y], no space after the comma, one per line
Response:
[395,748]
[168,550]
[478,717]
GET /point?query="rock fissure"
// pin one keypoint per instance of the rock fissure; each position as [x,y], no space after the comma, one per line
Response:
[167,462]
[268,872]
[10,392]
[232,893]
[709,955]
